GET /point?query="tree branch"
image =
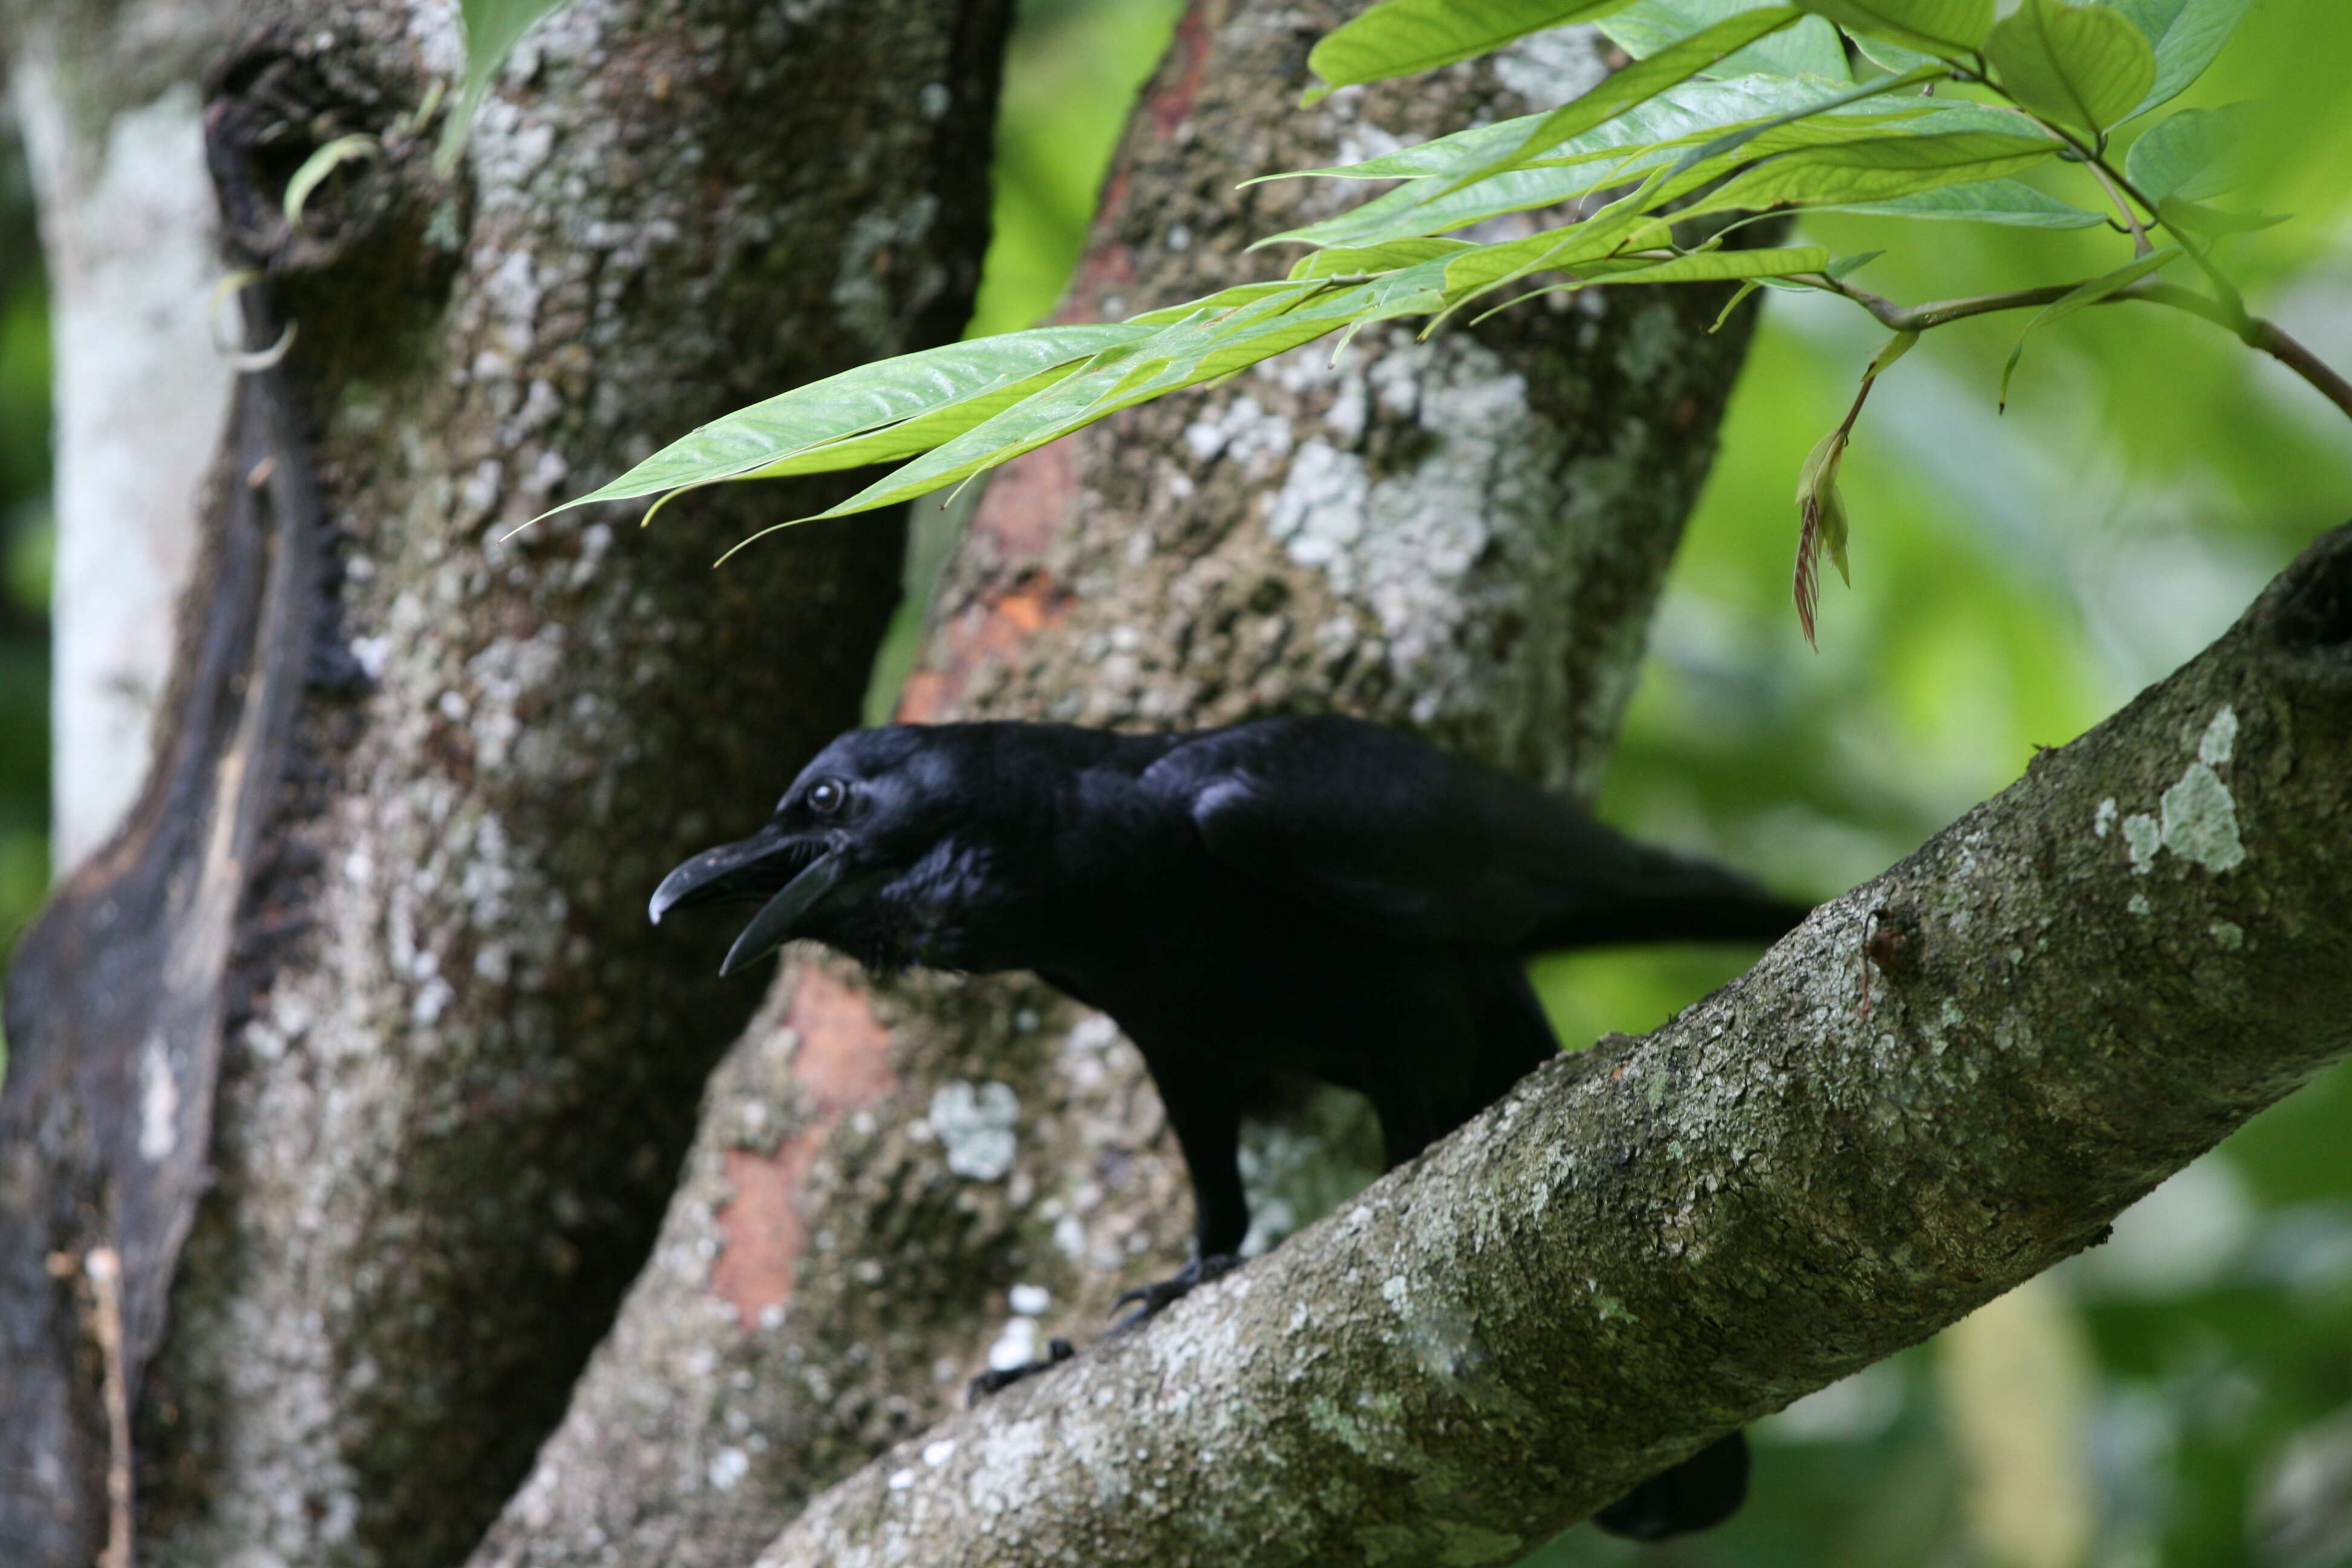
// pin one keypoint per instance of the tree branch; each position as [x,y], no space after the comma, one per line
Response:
[2081,985]
[2253,330]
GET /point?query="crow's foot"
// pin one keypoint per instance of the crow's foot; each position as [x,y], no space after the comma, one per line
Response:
[1157,1298]
[1057,1351]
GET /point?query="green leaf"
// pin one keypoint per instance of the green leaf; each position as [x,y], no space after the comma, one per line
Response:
[1489,267]
[2012,202]
[1889,57]
[1724,266]
[1636,84]
[1399,38]
[1387,257]
[1693,108]
[895,443]
[2186,35]
[1942,27]
[493,28]
[1844,266]
[1747,267]
[2084,66]
[1732,141]
[1762,114]
[1809,48]
[1230,298]
[858,401]
[1198,349]
[1894,348]
[2198,219]
[1876,171]
[2192,154]
[2081,296]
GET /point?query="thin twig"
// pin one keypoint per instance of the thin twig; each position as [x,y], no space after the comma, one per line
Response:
[2253,330]
[103,1268]
[2141,245]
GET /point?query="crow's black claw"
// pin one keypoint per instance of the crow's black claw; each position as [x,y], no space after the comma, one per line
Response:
[1057,1351]
[1157,1298]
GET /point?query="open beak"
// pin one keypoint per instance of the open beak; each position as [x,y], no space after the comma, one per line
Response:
[754,866]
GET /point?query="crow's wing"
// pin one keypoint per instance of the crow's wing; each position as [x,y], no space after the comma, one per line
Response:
[1411,842]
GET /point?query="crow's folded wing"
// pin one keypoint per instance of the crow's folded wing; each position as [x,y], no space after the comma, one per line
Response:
[1411,842]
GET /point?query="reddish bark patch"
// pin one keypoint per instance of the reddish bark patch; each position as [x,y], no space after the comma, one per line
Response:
[842,1062]
[1177,86]
[1105,271]
[1028,504]
[1028,507]
[765,1233]
[993,630]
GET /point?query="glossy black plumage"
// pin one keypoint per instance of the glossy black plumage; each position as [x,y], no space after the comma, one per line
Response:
[1317,896]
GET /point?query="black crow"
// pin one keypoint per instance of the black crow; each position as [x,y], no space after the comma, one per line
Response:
[1314,895]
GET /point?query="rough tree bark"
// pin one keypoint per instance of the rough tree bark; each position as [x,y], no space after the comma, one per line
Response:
[1461,537]
[1944,1082]
[352,1048]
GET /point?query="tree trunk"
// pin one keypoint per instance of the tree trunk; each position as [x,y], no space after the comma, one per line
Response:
[1944,1082]
[1463,537]
[353,1052]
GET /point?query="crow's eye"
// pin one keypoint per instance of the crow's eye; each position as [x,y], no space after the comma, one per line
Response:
[827,796]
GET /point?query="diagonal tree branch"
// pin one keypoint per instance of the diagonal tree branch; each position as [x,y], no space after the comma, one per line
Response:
[1944,1082]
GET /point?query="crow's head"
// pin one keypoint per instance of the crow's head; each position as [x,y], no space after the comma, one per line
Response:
[872,804]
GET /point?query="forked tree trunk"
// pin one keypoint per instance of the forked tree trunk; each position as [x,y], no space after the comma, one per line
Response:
[1461,537]
[353,1053]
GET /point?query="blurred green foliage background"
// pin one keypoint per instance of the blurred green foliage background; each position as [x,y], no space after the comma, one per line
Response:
[2179,1398]
[25,538]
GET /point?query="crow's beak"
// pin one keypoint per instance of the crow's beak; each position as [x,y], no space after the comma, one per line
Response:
[753,866]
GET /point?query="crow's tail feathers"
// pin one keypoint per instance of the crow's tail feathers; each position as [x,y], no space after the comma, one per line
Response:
[1649,895]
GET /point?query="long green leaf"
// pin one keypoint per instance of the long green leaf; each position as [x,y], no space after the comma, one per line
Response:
[2082,296]
[1240,294]
[1636,84]
[1811,47]
[1639,141]
[1937,26]
[2192,154]
[1183,355]
[1693,108]
[1876,171]
[1489,267]
[1396,253]
[2084,66]
[1713,151]
[2186,35]
[894,442]
[492,28]
[858,401]
[2011,202]
[1399,38]
[1723,265]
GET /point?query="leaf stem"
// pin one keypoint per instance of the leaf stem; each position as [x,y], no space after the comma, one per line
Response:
[2141,245]
[2253,331]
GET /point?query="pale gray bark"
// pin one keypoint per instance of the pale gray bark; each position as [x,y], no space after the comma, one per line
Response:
[1947,1080]
[892,1183]
[413,1045]
[113,130]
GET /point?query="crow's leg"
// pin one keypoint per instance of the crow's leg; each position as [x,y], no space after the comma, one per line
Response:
[1057,1351]
[1204,1107]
